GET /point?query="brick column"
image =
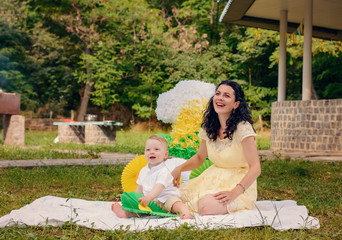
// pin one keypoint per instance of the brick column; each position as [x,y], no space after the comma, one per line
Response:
[14,130]
[95,134]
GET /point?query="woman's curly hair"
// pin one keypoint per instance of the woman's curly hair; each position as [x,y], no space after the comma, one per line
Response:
[211,122]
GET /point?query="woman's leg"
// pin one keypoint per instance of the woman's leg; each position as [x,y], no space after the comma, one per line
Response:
[210,206]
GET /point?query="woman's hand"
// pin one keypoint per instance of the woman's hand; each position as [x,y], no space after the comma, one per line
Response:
[176,173]
[226,197]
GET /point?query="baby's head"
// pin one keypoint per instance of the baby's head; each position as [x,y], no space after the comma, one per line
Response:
[156,150]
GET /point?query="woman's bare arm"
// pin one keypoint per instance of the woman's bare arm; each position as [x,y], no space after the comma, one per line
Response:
[192,163]
[252,157]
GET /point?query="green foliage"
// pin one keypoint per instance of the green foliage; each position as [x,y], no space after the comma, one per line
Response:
[34,62]
[131,51]
[333,90]
[125,64]
[259,100]
[328,75]
[326,57]
[251,59]
[12,50]
[104,69]
[211,66]
[142,112]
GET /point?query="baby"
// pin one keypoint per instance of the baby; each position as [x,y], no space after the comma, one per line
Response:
[155,182]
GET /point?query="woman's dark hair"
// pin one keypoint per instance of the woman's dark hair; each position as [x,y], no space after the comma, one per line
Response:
[211,122]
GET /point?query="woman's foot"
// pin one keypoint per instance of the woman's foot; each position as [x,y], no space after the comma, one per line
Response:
[117,209]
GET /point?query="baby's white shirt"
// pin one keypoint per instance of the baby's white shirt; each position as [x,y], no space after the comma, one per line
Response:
[148,178]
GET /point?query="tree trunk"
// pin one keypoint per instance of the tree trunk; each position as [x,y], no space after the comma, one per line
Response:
[261,123]
[212,13]
[86,94]
[84,102]
[151,107]
[250,74]
[216,21]
[164,11]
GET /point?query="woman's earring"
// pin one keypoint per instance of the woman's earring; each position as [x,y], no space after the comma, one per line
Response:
[233,110]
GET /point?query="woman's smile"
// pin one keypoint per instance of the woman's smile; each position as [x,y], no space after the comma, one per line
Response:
[220,104]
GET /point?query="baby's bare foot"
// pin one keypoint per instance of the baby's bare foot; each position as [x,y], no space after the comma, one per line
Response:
[117,209]
[187,216]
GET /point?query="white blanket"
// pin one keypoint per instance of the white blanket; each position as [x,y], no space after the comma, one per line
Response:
[55,211]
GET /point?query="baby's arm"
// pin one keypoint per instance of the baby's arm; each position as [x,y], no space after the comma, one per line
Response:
[155,192]
[139,189]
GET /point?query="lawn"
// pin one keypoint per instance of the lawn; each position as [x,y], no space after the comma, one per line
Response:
[40,145]
[313,184]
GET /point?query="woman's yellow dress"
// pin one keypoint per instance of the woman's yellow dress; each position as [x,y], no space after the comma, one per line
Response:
[230,166]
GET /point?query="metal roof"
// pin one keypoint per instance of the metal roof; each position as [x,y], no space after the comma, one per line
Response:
[327,15]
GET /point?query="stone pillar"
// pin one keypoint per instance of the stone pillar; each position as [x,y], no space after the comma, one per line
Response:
[71,133]
[14,130]
[307,51]
[95,134]
[282,57]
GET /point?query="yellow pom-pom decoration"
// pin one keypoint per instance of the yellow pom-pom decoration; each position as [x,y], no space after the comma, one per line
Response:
[187,124]
[130,173]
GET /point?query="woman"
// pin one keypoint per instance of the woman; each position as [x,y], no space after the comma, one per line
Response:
[228,138]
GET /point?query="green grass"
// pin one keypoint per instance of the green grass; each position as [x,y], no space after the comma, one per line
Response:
[22,186]
[16,153]
[126,142]
[313,184]
[263,141]
[41,146]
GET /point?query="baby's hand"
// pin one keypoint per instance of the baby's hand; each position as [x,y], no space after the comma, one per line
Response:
[145,200]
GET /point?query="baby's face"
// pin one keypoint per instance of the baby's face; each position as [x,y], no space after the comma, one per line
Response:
[155,152]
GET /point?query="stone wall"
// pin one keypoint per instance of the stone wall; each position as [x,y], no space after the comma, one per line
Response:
[313,126]
[95,134]
[88,134]
[74,134]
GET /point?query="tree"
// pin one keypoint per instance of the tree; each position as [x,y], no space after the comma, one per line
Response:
[80,20]
[325,71]
[252,57]
[35,61]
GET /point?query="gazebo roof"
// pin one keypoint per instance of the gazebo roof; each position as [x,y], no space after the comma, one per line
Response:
[327,15]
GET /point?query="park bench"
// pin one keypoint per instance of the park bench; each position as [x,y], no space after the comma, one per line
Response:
[96,132]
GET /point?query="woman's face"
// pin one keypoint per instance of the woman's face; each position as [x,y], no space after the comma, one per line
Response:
[224,100]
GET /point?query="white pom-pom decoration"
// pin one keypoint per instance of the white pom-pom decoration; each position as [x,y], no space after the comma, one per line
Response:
[170,103]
